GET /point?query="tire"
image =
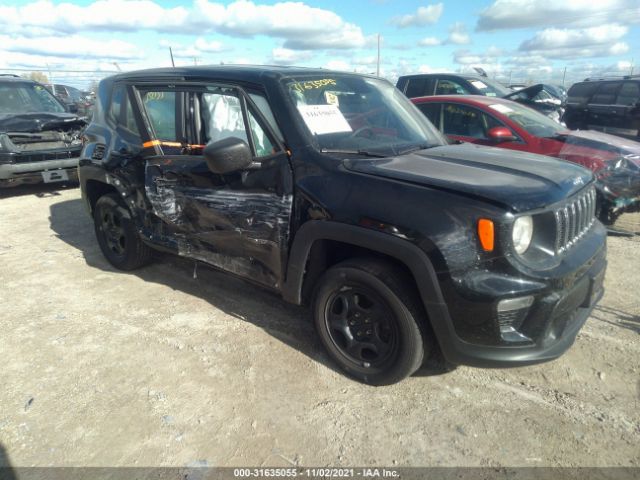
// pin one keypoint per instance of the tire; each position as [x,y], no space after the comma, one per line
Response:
[117,234]
[370,320]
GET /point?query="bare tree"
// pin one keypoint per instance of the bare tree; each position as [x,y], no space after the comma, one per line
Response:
[37,76]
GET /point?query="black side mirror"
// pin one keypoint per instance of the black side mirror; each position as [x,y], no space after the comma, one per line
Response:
[227,155]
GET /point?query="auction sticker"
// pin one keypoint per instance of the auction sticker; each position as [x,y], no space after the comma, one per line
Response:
[323,119]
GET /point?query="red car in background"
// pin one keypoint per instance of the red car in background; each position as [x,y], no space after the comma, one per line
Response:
[502,123]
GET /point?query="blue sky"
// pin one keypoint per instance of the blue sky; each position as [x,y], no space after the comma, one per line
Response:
[517,40]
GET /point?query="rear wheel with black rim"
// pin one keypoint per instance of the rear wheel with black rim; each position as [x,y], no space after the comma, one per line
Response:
[370,320]
[117,235]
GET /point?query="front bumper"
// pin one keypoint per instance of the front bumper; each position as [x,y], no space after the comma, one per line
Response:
[559,310]
[13,174]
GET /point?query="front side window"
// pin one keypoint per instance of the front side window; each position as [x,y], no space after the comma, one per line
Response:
[188,119]
[450,87]
[629,94]
[489,87]
[356,114]
[18,98]
[466,121]
[161,110]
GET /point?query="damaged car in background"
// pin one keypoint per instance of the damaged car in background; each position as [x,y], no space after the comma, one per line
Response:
[547,99]
[615,161]
[39,140]
[332,190]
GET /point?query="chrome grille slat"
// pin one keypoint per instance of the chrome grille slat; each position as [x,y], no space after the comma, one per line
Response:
[574,219]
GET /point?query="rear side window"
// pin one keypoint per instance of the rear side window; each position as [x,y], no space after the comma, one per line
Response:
[120,111]
[606,93]
[432,112]
[581,92]
[419,87]
[629,94]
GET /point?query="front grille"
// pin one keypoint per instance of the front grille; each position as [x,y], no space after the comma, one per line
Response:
[574,219]
[31,157]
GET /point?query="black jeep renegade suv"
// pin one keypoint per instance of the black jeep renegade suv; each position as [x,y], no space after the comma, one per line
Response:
[332,189]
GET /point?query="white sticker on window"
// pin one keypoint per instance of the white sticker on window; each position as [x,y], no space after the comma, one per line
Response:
[501,108]
[478,84]
[323,119]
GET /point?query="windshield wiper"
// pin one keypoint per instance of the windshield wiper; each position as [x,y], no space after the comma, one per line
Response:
[365,153]
[415,148]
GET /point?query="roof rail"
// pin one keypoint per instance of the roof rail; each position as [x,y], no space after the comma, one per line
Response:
[611,77]
[9,75]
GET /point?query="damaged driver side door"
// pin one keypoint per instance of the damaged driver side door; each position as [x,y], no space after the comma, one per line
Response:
[237,221]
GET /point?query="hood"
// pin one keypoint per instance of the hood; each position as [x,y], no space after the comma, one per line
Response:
[39,121]
[516,180]
[600,141]
[529,93]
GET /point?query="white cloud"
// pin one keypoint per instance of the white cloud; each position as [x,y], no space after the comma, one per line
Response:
[285,56]
[567,43]
[510,14]
[338,65]
[429,42]
[423,16]
[212,46]
[458,34]
[300,25]
[120,15]
[71,47]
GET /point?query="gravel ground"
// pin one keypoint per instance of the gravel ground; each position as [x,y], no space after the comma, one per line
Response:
[156,367]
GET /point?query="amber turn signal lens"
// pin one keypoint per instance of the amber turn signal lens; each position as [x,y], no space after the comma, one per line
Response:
[486,234]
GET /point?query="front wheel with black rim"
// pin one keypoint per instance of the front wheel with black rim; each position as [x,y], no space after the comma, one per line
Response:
[370,320]
[117,235]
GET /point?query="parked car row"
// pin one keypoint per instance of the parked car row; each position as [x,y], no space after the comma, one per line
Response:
[547,99]
[502,123]
[74,100]
[40,141]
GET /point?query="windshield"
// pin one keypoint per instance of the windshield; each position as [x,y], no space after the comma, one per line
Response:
[360,115]
[16,98]
[533,122]
[488,87]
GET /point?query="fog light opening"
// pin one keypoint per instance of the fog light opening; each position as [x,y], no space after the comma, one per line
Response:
[511,315]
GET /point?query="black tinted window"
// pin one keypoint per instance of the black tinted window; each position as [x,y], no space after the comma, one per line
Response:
[450,87]
[581,92]
[606,93]
[419,87]
[431,111]
[466,121]
[629,94]
[120,110]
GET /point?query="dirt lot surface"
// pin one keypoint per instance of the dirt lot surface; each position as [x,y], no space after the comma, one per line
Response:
[105,368]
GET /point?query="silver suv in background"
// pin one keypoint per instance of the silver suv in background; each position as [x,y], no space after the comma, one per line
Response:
[39,140]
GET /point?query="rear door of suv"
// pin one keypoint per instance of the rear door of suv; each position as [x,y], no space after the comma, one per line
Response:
[627,110]
[602,111]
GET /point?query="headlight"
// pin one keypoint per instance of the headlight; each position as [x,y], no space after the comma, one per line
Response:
[522,233]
